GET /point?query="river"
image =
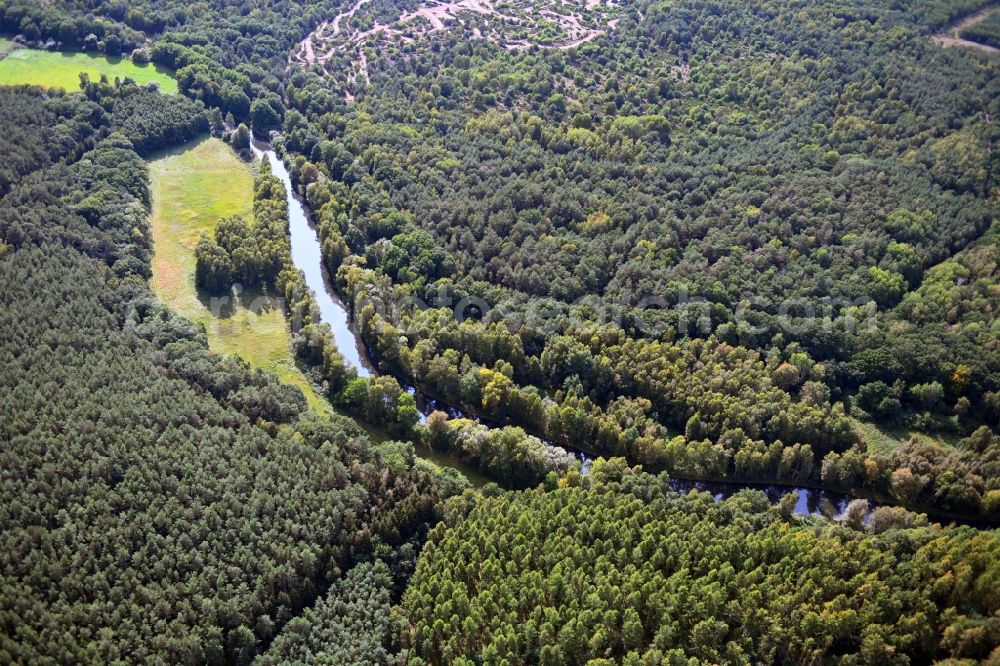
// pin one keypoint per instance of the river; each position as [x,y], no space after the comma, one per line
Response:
[307,257]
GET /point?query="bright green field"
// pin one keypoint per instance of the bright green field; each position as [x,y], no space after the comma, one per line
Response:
[193,187]
[61,69]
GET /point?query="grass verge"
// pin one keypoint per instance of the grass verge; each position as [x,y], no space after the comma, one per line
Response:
[885,439]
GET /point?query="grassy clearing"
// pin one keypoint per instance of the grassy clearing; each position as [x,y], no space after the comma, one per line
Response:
[883,439]
[61,69]
[437,459]
[5,45]
[193,187]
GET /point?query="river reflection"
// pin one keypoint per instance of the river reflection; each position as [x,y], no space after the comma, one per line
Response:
[811,502]
[308,257]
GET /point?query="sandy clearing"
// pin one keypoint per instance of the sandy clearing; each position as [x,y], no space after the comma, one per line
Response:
[430,16]
[952,35]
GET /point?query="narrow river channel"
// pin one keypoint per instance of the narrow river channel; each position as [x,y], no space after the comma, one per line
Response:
[307,257]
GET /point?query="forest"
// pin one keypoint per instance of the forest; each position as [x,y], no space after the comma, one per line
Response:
[701,240]
[160,503]
[805,216]
[987,32]
[614,569]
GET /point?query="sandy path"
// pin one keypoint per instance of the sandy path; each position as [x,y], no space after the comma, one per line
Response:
[952,35]
[349,13]
[336,36]
[363,58]
[581,40]
[305,51]
[433,16]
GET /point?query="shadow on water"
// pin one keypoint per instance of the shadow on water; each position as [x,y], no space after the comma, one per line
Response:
[811,502]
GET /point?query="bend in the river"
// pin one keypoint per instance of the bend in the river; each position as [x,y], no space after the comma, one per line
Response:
[307,257]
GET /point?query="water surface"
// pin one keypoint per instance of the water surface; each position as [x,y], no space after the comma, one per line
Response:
[308,257]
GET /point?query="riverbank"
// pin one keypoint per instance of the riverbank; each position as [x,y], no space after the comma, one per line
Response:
[813,498]
[307,257]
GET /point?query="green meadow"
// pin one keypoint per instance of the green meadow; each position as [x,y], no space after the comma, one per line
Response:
[883,438]
[61,69]
[193,187]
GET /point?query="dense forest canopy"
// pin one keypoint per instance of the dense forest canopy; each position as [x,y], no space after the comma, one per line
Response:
[709,198]
[702,238]
[619,570]
[160,503]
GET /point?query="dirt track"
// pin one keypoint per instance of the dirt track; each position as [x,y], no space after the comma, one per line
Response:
[575,22]
[952,35]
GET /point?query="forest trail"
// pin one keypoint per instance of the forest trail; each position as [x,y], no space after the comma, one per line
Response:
[305,51]
[349,13]
[578,26]
[952,35]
